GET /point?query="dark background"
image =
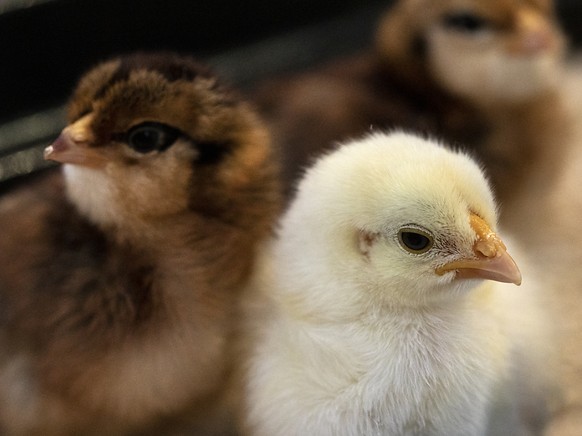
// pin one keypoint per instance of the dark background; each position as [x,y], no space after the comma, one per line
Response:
[45,45]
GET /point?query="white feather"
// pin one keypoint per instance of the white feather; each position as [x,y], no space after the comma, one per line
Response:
[93,193]
[348,343]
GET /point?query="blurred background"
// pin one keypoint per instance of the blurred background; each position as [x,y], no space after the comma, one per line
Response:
[46,45]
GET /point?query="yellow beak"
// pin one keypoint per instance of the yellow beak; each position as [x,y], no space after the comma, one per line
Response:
[73,146]
[491,261]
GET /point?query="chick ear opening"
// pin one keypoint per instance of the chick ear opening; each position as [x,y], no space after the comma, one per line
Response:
[366,241]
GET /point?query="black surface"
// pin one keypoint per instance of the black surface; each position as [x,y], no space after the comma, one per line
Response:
[45,48]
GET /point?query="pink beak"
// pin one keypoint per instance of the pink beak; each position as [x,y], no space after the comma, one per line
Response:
[73,146]
[491,261]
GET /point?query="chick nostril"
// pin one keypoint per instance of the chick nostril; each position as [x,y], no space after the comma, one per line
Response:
[490,246]
[486,248]
[79,132]
[75,135]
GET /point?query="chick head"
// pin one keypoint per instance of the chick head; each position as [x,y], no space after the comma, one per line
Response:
[154,135]
[488,51]
[395,216]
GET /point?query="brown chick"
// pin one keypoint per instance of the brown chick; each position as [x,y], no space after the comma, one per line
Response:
[455,69]
[118,275]
[503,57]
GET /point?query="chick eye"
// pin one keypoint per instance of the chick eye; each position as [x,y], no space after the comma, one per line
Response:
[415,240]
[464,22]
[148,137]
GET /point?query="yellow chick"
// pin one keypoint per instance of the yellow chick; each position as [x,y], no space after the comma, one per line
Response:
[119,274]
[369,314]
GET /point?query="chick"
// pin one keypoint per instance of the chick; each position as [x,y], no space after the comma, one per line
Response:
[119,274]
[505,58]
[369,314]
[477,73]
[494,52]
[547,217]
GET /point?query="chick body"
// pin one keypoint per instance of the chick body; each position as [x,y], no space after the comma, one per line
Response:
[351,334]
[120,273]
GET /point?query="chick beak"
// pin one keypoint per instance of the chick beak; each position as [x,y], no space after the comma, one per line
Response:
[492,261]
[73,146]
[536,35]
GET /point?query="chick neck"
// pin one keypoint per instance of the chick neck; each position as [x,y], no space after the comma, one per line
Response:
[355,303]
[138,220]
[526,146]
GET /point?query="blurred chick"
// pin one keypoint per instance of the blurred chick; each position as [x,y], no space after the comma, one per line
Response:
[119,274]
[546,216]
[464,70]
[506,59]
[369,314]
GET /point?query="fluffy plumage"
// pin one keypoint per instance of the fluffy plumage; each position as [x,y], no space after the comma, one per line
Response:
[369,314]
[546,217]
[119,274]
[479,74]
